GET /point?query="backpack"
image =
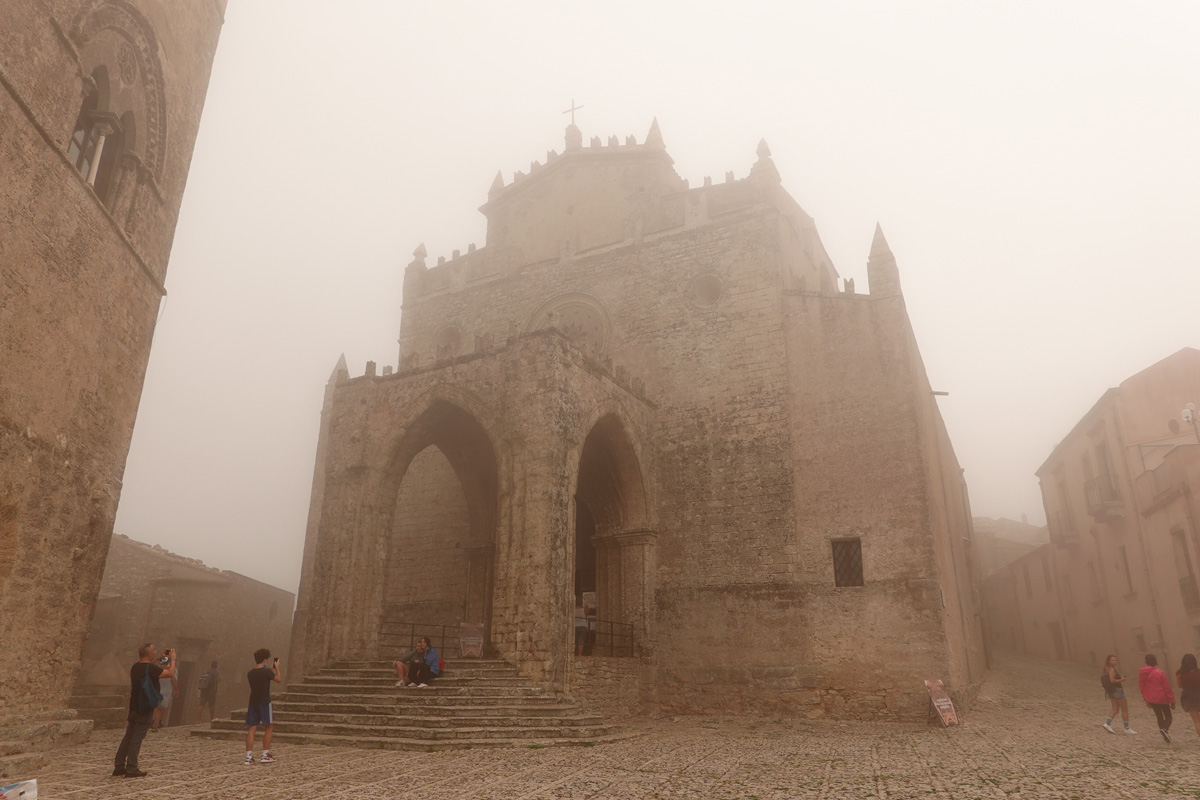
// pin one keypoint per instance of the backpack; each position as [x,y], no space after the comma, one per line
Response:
[1106,683]
[441,666]
[205,680]
[148,697]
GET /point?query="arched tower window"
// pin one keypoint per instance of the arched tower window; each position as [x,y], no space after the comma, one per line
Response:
[98,139]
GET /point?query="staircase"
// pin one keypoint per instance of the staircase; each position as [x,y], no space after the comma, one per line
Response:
[106,706]
[477,703]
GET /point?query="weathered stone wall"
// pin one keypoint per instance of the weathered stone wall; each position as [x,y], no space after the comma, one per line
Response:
[80,283]
[432,528]
[618,688]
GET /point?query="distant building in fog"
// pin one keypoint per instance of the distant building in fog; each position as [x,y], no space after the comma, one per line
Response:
[1001,541]
[151,595]
[1119,573]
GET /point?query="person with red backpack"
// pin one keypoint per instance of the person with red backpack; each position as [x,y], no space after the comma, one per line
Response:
[425,665]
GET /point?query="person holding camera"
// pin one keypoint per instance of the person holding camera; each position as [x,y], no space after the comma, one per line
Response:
[162,714]
[258,710]
[145,693]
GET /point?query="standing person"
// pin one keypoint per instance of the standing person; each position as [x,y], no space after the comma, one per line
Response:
[258,709]
[162,714]
[425,666]
[1115,692]
[1189,688]
[208,691]
[1156,691]
[144,690]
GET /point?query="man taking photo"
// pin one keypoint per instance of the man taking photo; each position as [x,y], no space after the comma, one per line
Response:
[145,693]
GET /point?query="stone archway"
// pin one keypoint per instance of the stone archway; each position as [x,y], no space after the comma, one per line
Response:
[442,489]
[614,543]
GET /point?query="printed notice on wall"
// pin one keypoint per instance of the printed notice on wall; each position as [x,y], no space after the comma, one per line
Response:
[942,703]
[470,640]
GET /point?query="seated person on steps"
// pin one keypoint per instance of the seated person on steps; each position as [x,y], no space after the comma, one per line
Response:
[419,667]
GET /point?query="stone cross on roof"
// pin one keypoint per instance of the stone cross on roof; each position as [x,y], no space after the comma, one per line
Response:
[572,110]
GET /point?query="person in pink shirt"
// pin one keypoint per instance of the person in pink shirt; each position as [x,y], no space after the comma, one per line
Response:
[1156,691]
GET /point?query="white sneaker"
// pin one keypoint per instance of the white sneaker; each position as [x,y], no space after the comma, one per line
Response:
[1130,730]
[401,683]
[422,685]
[248,762]
[1108,727]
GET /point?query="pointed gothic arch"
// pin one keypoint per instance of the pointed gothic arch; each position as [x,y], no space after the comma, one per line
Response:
[441,485]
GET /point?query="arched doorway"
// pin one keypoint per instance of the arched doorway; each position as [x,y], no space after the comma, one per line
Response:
[442,538]
[611,539]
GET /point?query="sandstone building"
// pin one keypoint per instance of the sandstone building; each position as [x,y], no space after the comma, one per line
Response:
[1001,541]
[1120,572]
[151,595]
[661,395]
[100,101]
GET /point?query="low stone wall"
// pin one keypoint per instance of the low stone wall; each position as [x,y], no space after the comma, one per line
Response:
[610,686]
[789,692]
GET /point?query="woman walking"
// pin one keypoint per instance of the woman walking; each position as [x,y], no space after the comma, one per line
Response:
[1156,691]
[1115,692]
[1189,688]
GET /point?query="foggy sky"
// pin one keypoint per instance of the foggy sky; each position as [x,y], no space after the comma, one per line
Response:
[1034,167]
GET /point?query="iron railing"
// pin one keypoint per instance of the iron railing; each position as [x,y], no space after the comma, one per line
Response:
[1102,495]
[608,638]
[397,639]
[1191,596]
[1062,529]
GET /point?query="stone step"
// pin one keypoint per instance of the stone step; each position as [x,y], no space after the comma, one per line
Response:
[451,663]
[389,681]
[429,721]
[86,701]
[484,704]
[82,690]
[436,688]
[105,719]
[444,710]
[396,743]
[22,766]
[352,673]
[427,697]
[417,732]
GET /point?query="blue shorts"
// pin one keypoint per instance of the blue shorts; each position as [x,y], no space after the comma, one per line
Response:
[258,715]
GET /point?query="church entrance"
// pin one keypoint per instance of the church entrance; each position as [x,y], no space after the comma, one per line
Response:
[610,523]
[442,539]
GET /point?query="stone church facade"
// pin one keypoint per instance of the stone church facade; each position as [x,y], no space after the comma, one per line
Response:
[100,101]
[658,394]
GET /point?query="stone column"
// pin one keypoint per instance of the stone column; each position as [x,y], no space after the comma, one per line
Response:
[478,605]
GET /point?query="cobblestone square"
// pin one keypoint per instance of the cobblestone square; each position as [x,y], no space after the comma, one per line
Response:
[1035,733]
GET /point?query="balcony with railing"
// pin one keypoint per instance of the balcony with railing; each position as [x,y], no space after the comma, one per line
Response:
[1191,596]
[1062,529]
[1103,499]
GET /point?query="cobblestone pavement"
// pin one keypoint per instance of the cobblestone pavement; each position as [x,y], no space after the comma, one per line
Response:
[1034,733]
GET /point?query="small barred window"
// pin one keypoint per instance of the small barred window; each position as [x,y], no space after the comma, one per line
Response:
[847,562]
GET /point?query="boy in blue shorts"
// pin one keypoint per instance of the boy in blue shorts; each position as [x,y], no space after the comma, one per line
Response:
[258,710]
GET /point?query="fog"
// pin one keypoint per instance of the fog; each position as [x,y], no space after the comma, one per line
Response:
[1034,167]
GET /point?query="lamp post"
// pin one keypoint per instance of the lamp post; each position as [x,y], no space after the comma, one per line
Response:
[1189,416]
